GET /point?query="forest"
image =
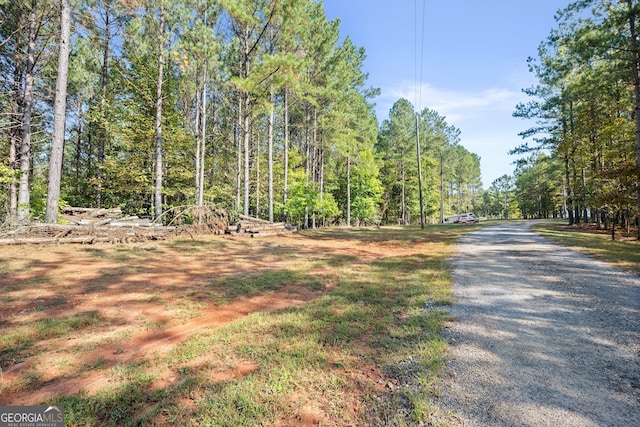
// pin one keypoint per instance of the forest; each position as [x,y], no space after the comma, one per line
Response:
[259,107]
[262,108]
[584,149]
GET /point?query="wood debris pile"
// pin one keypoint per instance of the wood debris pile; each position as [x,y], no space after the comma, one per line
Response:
[98,225]
[199,219]
[252,227]
[87,226]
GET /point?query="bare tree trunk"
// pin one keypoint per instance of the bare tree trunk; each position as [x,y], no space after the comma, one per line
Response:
[348,190]
[403,209]
[59,115]
[315,159]
[197,150]
[307,170]
[203,139]
[246,123]
[322,155]
[102,136]
[14,142]
[159,168]
[270,155]
[441,188]
[239,155]
[257,162]
[246,155]
[25,149]
[286,150]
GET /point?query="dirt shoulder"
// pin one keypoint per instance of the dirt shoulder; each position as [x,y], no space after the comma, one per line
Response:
[542,336]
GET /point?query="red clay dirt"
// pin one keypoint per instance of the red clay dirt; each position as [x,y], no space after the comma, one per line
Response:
[147,298]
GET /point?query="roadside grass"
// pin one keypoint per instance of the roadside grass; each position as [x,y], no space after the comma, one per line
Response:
[622,253]
[365,353]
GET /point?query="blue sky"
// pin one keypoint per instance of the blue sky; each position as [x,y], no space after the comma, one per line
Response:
[474,64]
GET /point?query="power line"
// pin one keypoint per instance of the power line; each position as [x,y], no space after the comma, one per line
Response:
[418,69]
[424,8]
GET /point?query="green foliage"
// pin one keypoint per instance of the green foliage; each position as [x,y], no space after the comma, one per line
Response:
[7,174]
[244,55]
[366,189]
[582,107]
[302,198]
[446,165]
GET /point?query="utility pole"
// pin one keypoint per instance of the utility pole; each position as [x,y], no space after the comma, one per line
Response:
[419,174]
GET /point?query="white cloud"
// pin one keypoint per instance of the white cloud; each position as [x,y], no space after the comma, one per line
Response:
[456,106]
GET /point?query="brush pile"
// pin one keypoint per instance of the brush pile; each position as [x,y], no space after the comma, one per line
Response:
[101,225]
[88,226]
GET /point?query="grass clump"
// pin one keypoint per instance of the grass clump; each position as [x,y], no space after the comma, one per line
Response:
[20,339]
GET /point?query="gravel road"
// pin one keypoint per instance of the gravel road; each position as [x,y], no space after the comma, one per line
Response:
[541,336]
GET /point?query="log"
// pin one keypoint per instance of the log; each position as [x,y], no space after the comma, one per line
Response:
[50,240]
[264,227]
[94,212]
[252,219]
[271,233]
[101,222]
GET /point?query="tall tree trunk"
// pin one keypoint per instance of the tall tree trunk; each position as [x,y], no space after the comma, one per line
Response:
[239,154]
[203,139]
[257,163]
[198,140]
[441,188]
[246,123]
[322,155]
[348,190]
[25,149]
[159,165]
[102,130]
[403,200]
[636,85]
[307,156]
[14,142]
[270,155]
[246,154]
[286,151]
[315,156]
[59,115]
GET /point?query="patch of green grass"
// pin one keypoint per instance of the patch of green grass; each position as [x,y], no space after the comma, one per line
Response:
[59,326]
[254,284]
[624,254]
[18,340]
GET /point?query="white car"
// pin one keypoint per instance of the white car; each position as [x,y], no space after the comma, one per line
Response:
[468,219]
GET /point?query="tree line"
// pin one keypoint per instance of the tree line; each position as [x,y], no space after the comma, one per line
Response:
[253,105]
[584,148]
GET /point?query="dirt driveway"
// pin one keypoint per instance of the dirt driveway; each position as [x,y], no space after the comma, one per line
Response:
[542,336]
